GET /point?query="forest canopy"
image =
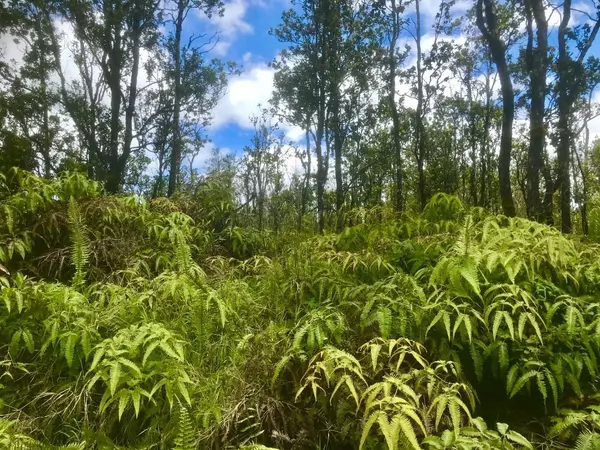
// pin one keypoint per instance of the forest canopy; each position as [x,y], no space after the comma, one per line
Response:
[426,277]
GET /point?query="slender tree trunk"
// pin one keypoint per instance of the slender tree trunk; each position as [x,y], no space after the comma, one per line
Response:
[537,62]
[420,128]
[319,59]
[488,28]
[131,101]
[87,133]
[44,144]
[564,129]
[485,145]
[472,138]
[113,72]
[177,143]
[393,62]
[306,183]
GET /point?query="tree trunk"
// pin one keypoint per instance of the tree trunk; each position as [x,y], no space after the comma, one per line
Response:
[472,138]
[306,183]
[394,107]
[113,31]
[564,129]
[177,144]
[420,128]
[488,28]
[537,62]
[486,137]
[44,143]
[130,110]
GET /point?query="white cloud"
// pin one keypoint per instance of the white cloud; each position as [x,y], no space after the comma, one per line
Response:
[231,24]
[295,134]
[245,93]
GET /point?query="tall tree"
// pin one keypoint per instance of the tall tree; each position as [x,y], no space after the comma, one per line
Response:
[178,55]
[302,85]
[571,84]
[114,32]
[487,22]
[537,68]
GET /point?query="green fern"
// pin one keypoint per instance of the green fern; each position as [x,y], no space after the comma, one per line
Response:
[80,250]
[185,439]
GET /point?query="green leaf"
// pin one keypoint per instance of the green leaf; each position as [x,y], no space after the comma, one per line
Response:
[521,382]
[375,349]
[367,427]
[184,391]
[123,401]
[149,351]
[131,365]
[97,357]
[497,321]
[502,428]
[136,399]
[70,348]
[518,439]
[115,376]
[511,377]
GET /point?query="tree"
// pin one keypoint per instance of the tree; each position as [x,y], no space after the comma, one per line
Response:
[181,56]
[537,67]
[487,22]
[571,84]
[303,87]
[261,162]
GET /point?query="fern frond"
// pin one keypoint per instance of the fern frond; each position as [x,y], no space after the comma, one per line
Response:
[186,439]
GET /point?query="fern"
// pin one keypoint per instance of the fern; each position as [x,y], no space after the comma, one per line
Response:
[80,244]
[185,431]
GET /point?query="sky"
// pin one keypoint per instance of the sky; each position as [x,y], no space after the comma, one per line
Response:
[244,38]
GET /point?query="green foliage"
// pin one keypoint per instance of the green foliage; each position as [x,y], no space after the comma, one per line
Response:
[185,431]
[386,335]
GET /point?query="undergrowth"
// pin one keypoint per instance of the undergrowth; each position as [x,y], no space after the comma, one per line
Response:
[166,325]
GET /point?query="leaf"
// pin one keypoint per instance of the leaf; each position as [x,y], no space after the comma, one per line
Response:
[184,391]
[375,349]
[441,406]
[541,384]
[123,401]
[497,321]
[28,339]
[14,342]
[447,324]
[511,378]
[408,430]
[509,323]
[97,356]
[126,362]
[435,320]
[70,348]
[536,327]
[502,428]
[367,427]
[115,375]
[521,382]
[454,410]
[149,351]
[518,439]
[136,399]
[470,275]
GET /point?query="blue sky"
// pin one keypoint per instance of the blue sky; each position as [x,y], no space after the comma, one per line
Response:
[244,38]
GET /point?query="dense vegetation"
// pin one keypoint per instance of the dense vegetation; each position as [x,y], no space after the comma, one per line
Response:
[161,324]
[404,286]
